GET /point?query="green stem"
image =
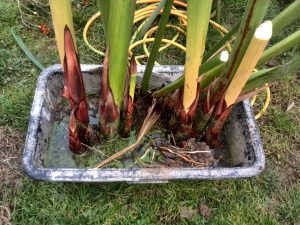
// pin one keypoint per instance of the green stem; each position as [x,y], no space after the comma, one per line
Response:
[150,20]
[198,15]
[104,6]
[212,67]
[280,47]
[252,18]
[207,78]
[218,11]
[119,34]
[155,48]
[259,78]
[222,42]
[286,17]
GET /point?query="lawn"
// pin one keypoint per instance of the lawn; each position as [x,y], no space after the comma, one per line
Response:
[271,198]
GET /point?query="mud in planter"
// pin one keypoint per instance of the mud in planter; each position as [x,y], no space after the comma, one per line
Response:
[46,155]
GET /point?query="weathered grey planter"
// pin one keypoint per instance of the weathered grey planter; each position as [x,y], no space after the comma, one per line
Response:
[241,133]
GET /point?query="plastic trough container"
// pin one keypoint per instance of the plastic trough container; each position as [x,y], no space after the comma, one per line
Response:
[241,132]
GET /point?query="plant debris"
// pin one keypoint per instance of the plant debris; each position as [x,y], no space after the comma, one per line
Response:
[193,153]
[149,121]
[11,146]
[187,212]
[5,215]
[290,106]
[204,210]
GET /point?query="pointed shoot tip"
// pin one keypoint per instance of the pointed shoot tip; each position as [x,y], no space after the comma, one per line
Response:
[133,66]
[224,56]
[264,31]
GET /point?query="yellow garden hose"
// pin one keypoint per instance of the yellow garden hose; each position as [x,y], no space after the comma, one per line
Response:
[266,103]
[146,12]
[85,30]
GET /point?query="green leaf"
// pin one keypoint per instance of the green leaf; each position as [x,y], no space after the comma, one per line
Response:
[26,50]
[104,10]
[280,47]
[155,48]
[286,17]
[259,78]
[210,69]
[222,42]
[252,18]
[150,20]
[119,34]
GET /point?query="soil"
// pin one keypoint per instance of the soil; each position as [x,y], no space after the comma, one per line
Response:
[192,153]
[189,153]
[11,147]
[288,168]
[204,210]
[156,149]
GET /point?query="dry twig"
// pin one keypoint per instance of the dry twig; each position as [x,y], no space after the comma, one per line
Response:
[184,157]
[149,121]
[5,215]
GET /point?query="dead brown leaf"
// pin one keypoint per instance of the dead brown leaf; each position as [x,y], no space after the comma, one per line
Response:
[5,215]
[187,212]
[290,106]
[272,63]
[204,210]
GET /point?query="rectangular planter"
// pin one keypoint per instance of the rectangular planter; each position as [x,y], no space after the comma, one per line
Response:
[241,134]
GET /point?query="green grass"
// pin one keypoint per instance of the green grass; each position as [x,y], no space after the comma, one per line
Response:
[272,198]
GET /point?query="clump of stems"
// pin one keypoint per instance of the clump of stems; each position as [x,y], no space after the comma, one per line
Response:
[212,82]
[73,82]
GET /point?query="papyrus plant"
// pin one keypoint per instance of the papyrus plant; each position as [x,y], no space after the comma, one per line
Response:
[73,83]
[213,79]
[118,30]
